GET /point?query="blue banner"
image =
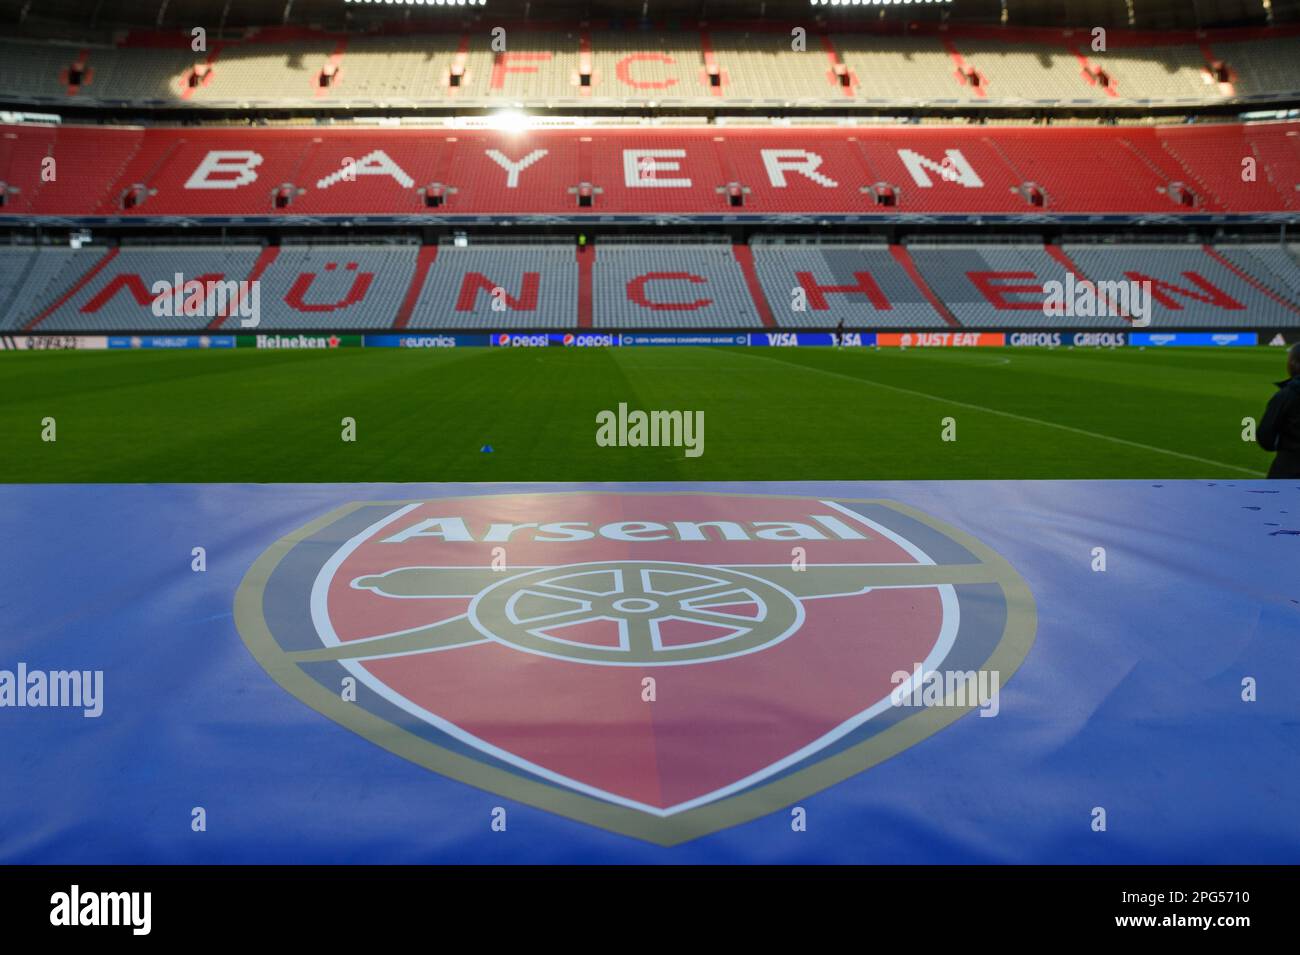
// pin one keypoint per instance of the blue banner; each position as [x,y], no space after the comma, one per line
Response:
[1067,339]
[946,672]
[818,339]
[425,340]
[1196,339]
[521,339]
[545,339]
[684,338]
[584,339]
[171,341]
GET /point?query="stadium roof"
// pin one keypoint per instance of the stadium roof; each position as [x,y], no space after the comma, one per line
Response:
[1142,14]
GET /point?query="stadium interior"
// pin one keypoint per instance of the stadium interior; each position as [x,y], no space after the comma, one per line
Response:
[625,433]
[776,166]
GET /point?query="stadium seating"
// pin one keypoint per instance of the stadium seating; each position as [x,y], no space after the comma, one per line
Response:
[671,286]
[1261,69]
[393,70]
[1191,287]
[1177,76]
[334,286]
[538,288]
[902,69]
[823,171]
[536,66]
[619,287]
[263,72]
[760,67]
[1037,72]
[145,75]
[15,262]
[986,286]
[304,287]
[114,289]
[818,286]
[38,278]
[662,67]
[1272,266]
[566,63]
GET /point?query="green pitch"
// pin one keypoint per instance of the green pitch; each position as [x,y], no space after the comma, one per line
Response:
[769,414]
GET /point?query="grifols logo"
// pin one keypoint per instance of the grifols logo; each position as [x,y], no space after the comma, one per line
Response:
[661,665]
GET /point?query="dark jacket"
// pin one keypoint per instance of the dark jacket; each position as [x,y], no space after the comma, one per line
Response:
[1279,429]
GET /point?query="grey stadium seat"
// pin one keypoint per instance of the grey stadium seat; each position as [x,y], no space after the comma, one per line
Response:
[1227,302]
[948,269]
[539,286]
[779,266]
[623,273]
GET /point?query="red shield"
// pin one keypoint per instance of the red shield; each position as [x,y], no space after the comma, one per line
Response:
[658,664]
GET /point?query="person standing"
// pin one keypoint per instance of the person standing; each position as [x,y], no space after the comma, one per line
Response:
[1279,429]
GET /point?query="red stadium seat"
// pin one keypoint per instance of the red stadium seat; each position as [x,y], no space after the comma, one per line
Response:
[966,170]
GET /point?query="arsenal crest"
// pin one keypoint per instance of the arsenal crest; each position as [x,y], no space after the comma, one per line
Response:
[662,665]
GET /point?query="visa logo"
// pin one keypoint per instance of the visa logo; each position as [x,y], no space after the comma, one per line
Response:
[782,338]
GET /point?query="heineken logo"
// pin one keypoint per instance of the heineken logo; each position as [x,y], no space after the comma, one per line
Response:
[297,341]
